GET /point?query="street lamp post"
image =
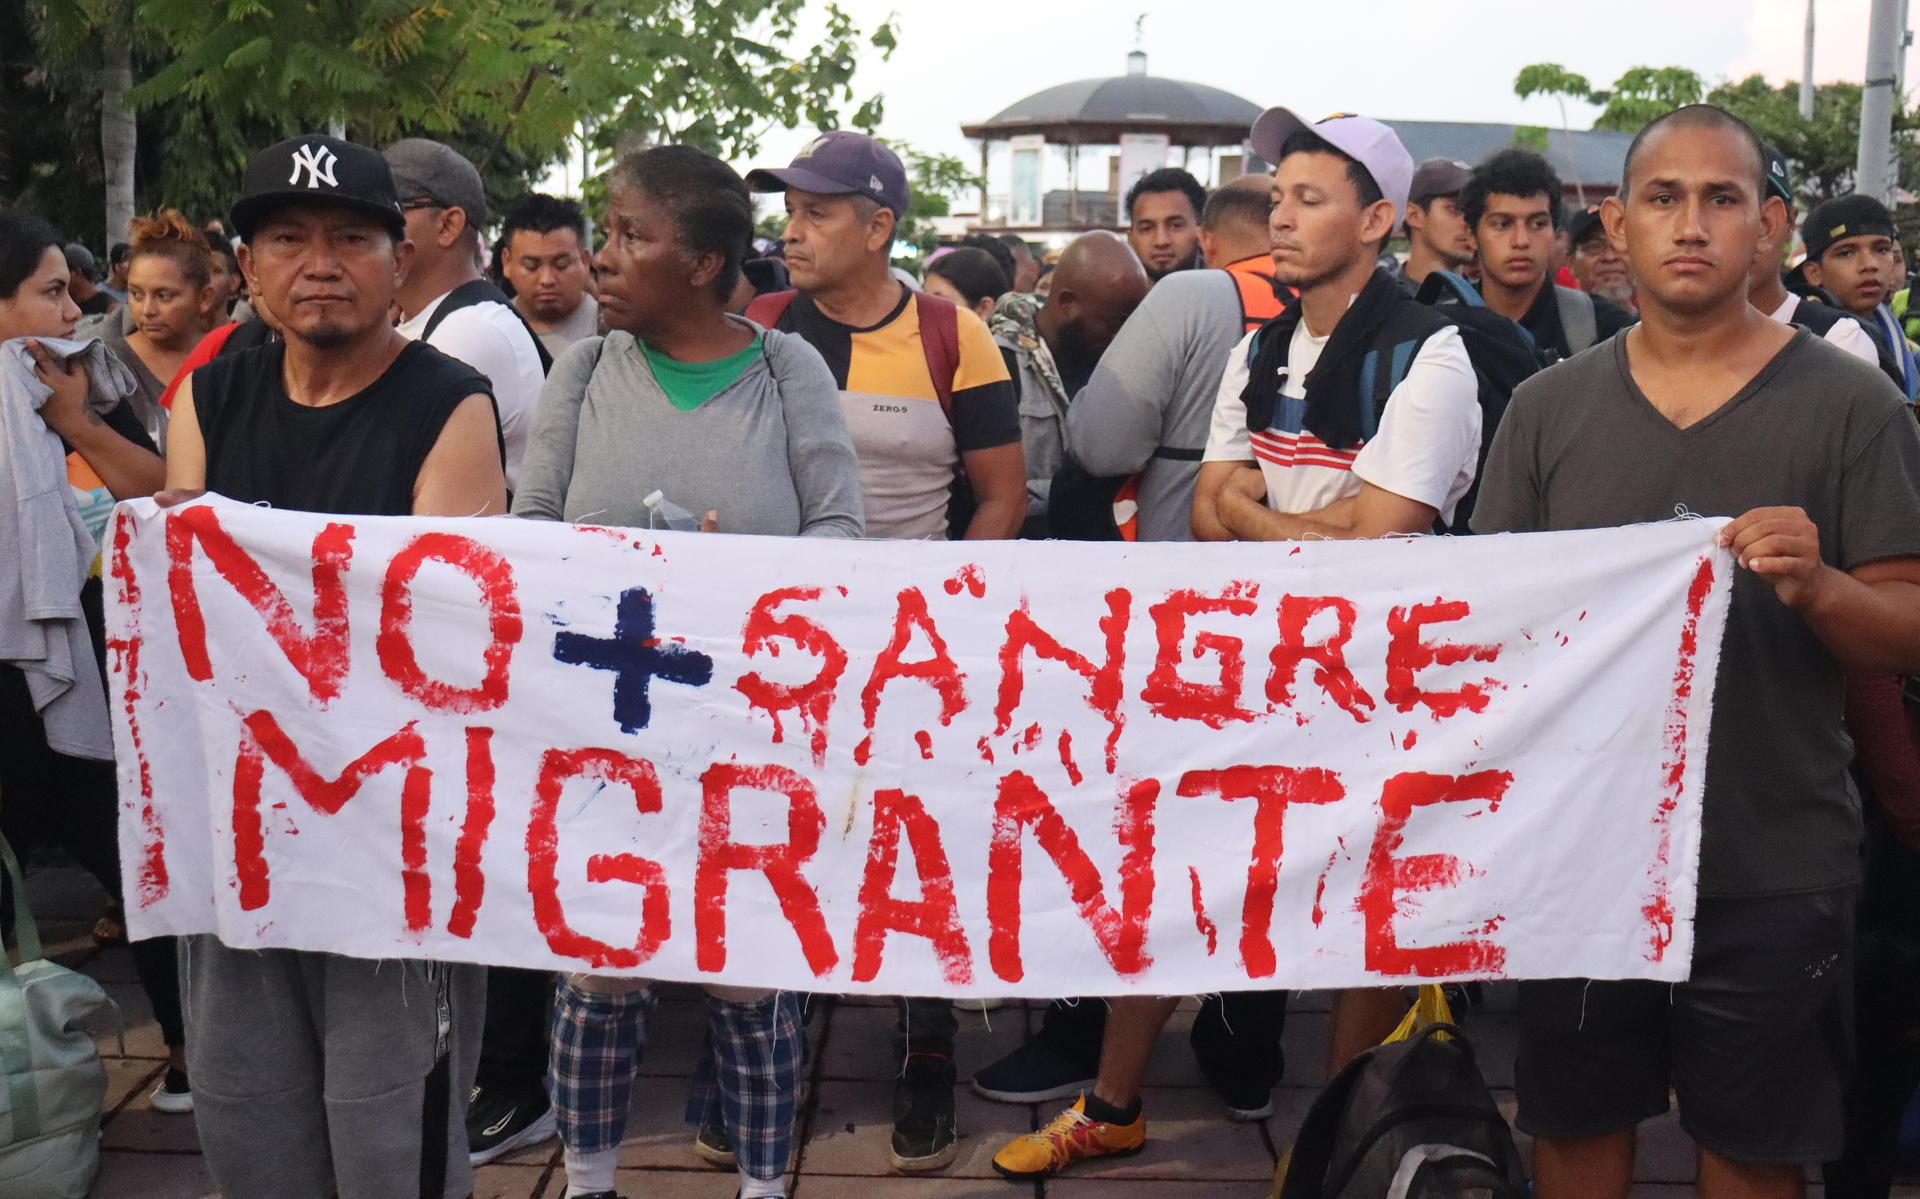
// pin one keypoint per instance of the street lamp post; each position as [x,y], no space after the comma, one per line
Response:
[1873,173]
[1806,70]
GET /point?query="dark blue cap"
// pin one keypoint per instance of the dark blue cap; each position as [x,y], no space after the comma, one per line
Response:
[840,163]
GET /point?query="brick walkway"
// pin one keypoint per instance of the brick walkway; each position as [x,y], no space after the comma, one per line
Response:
[1192,1151]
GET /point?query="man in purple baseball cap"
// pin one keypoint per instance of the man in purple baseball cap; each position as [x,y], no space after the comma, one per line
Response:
[839,163]
[935,421]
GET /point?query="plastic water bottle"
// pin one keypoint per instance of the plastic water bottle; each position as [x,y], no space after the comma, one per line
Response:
[663,513]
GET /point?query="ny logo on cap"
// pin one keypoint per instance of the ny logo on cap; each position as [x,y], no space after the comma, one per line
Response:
[318,166]
[807,150]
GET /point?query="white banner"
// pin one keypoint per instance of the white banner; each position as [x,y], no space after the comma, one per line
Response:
[972,768]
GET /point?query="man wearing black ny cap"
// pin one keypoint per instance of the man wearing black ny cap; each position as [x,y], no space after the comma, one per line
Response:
[1437,233]
[1853,251]
[317,1075]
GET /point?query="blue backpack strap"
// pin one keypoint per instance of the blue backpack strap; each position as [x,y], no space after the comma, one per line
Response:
[1369,411]
[1445,286]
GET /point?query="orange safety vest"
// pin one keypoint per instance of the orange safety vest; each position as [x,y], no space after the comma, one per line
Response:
[1261,299]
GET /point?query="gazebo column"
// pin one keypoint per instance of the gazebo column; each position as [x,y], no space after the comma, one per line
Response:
[984,143]
[1073,181]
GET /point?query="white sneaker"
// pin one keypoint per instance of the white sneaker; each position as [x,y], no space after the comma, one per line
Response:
[173,1096]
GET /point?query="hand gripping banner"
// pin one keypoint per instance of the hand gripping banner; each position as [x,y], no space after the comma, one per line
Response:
[968,768]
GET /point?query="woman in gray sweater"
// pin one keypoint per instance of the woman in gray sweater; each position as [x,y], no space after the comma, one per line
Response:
[744,426]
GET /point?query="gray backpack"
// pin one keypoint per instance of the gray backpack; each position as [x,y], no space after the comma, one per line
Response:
[52,1081]
[1577,320]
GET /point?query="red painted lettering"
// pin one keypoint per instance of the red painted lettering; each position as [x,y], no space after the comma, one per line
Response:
[1330,671]
[811,700]
[497,595]
[557,768]
[1122,933]
[939,671]
[151,883]
[1104,688]
[1407,655]
[321,656]
[934,915]
[1271,788]
[1388,876]
[1175,698]
[1658,910]
[720,855]
[469,881]
[265,741]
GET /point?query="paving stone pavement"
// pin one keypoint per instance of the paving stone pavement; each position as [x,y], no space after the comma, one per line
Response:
[1192,1151]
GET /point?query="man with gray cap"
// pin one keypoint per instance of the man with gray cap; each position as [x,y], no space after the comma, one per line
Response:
[445,301]
[1437,233]
[319,1076]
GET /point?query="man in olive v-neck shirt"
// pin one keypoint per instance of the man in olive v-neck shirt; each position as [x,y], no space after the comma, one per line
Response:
[1711,408]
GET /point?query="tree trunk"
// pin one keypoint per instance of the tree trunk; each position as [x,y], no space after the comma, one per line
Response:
[118,135]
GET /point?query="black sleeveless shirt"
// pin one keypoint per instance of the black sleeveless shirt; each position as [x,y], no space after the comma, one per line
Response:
[359,457]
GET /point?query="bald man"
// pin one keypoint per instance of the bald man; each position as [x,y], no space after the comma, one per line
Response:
[1051,350]
[1146,409]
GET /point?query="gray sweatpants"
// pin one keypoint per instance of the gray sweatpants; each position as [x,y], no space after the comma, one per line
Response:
[316,1075]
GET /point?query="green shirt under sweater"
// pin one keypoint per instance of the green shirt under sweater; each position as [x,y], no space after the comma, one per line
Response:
[768,452]
[691,384]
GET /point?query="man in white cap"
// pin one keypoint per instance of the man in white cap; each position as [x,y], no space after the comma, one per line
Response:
[1305,443]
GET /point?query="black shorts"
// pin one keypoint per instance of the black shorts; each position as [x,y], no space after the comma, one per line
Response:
[1756,1046]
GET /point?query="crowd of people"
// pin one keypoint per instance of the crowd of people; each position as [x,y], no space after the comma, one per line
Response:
[357,346]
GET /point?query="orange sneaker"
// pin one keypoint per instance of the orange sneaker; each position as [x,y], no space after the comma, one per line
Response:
[1070,1137]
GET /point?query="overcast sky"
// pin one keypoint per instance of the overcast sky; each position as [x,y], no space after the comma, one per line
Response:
[1407,59]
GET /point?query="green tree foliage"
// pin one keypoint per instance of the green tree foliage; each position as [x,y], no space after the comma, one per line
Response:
[935,179]
[1822,152]
[1551,79]
[1644,93]
[508,82]
[1531,137]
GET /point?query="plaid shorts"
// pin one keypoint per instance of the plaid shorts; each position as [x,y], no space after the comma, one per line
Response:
[750,1071]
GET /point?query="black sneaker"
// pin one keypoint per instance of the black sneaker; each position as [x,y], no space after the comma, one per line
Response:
[712,1142]
[1247,1093]
[1035,1073]
[924,1136]
[499,1124]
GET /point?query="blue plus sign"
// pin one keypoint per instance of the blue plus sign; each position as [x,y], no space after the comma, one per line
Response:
[636,657]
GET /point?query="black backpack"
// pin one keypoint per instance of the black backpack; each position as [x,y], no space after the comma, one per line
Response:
[1408,1119]
[480,291]
[1502,352]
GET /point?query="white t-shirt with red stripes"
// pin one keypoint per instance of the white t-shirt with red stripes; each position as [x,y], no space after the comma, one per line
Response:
[1426,448]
